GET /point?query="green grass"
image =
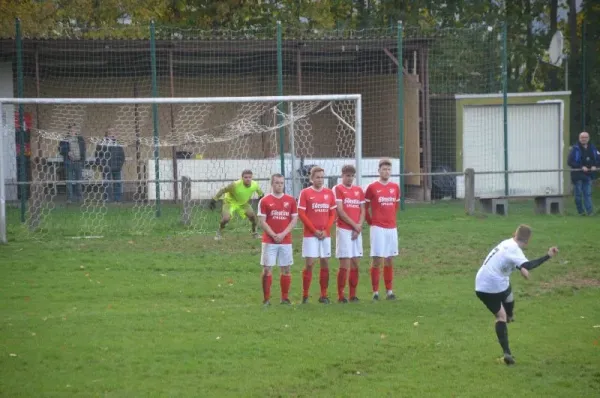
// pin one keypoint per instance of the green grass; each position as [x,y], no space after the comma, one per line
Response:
[172,313]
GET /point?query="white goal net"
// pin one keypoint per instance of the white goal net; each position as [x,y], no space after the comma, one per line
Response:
[102,166]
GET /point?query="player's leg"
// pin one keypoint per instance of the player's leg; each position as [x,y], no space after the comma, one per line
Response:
[342,276]
[268,259]
[493,301]
[324,254]
[509,307]
[249,212]
[310,251]
[357,253]
[342,252]
[388,277]
[285,259]
[391,251]
[226,211]
[377,250]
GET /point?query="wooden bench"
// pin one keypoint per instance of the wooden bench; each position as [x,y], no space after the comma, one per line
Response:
[543,204]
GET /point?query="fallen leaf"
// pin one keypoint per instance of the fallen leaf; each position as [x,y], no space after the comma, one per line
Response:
[218,337]
[383,336]
[12,355]
[597,326]
[81,266]
[416,324]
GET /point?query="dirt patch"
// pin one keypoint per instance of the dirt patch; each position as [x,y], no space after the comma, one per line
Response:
[573,279]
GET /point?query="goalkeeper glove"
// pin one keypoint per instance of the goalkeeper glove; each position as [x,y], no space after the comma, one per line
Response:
[213,204]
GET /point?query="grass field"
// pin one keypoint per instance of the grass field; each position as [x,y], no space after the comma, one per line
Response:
[178,314]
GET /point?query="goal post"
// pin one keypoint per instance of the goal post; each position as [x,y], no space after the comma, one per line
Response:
[114,155]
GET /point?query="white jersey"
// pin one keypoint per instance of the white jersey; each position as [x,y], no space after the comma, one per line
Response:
[494,274]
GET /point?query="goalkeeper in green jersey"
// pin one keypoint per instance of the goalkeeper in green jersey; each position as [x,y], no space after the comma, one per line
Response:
[236,199]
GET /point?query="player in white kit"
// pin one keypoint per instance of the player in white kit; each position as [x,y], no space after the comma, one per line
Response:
[492,283]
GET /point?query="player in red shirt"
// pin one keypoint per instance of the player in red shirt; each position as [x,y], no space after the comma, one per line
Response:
[316,209]
[350,201]
[382,198]
[278,214]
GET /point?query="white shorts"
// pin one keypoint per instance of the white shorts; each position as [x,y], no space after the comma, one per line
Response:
[345,247]
[384,242]
[276,254]
[312,247]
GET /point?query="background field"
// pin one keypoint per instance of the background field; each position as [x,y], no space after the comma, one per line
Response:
[173,313]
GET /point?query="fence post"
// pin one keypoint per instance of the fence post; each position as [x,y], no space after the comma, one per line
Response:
[505,102]
[186,200]
[155,117]
[400,77]
[22,172]
[470,192]
[280,92]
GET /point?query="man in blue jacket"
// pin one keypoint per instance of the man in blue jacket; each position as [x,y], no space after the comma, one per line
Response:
[584,159]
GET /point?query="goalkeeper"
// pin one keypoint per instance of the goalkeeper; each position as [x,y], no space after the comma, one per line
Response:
[236,197]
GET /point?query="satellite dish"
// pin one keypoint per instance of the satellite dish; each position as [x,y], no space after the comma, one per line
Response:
[555,51]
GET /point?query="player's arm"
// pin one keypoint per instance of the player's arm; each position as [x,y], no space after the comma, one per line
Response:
[345,217]
[229,188]
[290,226]
[306,221]
[332,216]
[265,226]
[528,265]
[368,196]
[260,193]
[302,214]
[340,209]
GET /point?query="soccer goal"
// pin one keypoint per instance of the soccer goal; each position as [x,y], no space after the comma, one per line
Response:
[101,166]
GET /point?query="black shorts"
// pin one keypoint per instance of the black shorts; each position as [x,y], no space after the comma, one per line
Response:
[493,301]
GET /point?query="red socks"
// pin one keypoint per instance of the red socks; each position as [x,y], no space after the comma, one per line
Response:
[306,279]
[375,278]
[388,277]
[324,281]
[353,282]
[266,285]
[285,281]
[341,282]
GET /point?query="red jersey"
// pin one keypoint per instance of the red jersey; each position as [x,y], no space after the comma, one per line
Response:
[278,213]
[317,205]
[383,199]
[351,199]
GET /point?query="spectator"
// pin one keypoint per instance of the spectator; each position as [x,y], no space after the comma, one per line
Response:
[111,156]
[583,159]
[72,149]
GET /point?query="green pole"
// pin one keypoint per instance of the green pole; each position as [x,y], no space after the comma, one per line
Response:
[22,173]
[505,101]
[155,116]
[280,92]
[400,77]
[583,76]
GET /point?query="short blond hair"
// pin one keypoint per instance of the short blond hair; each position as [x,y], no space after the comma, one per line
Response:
[315,170]
[523,233]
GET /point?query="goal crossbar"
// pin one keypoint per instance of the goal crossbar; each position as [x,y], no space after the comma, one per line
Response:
[181,100]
